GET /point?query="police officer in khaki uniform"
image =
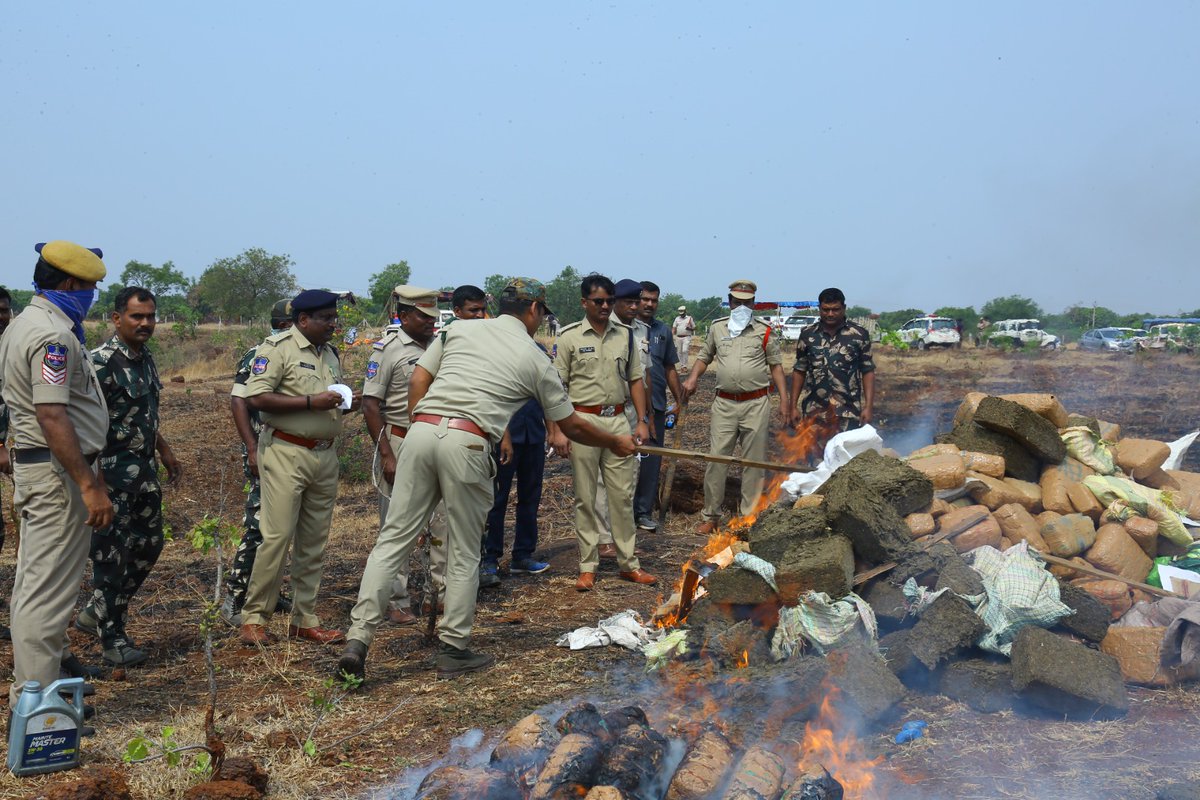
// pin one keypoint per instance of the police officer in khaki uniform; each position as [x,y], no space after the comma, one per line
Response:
[385,409]
[599,361]
[746,355]
[59,426]
[298,467]
[463,392]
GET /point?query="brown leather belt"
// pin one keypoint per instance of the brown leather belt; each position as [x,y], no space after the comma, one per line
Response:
[399,432]
[457,423]
[741,397]
[601,411]
[311,444]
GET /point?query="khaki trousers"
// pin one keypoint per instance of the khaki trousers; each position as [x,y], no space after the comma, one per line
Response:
[299,487]
[589,465]
[437,463]
[437,552]
[682,343]
[745,424]
[54,551]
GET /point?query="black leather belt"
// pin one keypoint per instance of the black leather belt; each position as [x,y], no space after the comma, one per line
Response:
[41,455]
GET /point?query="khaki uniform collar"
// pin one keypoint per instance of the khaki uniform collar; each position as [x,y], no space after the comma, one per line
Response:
[41,302]
[301,341]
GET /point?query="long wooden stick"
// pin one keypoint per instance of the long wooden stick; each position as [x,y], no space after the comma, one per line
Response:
[671,452]
[664,501]
[962,527]
[1099,573]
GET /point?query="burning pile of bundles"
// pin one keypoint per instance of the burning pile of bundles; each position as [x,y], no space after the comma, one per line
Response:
[1009,560]
[619,756]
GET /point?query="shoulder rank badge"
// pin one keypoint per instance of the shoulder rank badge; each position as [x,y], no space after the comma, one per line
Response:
[259,366]
[54,364]
[372,369]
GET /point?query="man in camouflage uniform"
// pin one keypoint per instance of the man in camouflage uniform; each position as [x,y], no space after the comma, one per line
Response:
[834,372]
[249,425]
[124,553]
[746,356]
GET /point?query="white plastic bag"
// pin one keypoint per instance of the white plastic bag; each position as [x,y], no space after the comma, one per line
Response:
[838,452]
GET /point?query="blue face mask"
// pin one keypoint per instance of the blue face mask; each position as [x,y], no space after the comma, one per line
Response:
[74,304]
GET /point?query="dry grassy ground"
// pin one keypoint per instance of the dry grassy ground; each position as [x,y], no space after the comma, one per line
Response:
[404,718]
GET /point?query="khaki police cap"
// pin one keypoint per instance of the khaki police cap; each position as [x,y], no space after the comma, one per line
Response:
[78,262]
[743,290]
[423,299]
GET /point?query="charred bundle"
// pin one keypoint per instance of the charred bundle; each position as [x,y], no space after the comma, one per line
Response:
[619,756]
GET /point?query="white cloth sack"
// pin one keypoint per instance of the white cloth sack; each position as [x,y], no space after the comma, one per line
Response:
[625,629]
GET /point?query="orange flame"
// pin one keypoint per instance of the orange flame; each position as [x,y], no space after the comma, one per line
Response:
[743,660]
[841,755]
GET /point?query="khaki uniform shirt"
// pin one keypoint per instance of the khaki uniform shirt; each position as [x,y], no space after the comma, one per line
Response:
[41,362]
[393,359]
[289,364]
[743,362]
[486,371]
[597,369]
[683,326]
[641,346]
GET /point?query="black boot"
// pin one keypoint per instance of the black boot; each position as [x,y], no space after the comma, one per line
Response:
[353,661]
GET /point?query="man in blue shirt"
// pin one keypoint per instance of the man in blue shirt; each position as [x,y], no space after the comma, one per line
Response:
[663,358]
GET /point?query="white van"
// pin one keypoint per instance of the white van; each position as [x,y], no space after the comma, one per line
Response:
[1020,332]
[925,332]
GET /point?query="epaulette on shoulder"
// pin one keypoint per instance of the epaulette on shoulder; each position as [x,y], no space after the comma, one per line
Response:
[620,324]
[720,319]
[385,341]
[275,338]
[570,327]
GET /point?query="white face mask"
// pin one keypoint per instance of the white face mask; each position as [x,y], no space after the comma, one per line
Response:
[739,318]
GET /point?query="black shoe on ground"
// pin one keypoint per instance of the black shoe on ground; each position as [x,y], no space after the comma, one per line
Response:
[283,605]
[88,689]
[353,661]
[74,668]
[88,711]
[87,730]
[489,575]
[452,662]
[5,633]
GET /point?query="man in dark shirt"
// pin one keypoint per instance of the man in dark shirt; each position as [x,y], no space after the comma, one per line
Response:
[834,373]
[663,358]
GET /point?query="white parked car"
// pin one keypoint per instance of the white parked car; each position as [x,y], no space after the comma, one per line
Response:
[1020,332]
[925,332]
[796,323]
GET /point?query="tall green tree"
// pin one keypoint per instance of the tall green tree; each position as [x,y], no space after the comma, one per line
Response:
[891,320]
[857,312]
[246,285]
[163,281]
[562,295]
[494,284]
[1011,307]
[384,282]
[965,313]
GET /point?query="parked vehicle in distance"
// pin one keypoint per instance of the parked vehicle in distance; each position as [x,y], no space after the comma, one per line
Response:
[1112,339]
[796,323]
[1020,332]
[1172,336]
[925,332]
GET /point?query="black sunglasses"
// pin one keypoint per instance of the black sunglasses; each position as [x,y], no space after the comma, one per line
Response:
[603,301]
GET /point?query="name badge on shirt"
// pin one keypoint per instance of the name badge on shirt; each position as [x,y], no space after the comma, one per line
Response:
[587,349]
[308,366]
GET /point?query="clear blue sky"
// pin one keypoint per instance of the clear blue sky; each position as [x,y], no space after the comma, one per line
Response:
[916,155]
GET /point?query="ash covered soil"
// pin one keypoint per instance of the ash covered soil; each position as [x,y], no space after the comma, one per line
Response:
[403,720]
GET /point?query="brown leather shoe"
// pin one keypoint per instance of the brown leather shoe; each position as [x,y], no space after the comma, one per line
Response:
[608,550]
[639,576]
[318,635]
[707,527]
[255,635]
[586,581]
[401,617]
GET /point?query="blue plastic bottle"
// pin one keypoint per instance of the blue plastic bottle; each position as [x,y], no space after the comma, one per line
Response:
[43,735]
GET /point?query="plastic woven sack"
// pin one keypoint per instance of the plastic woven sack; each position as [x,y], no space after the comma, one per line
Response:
[1085,446]
[1020,592]
[1142,499]
[821,622]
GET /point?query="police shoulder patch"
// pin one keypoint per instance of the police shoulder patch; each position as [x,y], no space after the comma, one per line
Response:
[54,364]
[260,365]
[372,369]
